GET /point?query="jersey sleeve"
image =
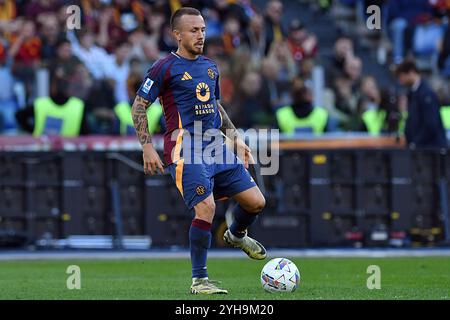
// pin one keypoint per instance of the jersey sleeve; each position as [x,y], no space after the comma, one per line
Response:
[153,82]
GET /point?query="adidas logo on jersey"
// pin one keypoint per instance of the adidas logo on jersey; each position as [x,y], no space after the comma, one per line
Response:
[186,76]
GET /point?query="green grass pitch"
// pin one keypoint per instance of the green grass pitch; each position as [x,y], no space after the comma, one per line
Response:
[321,278]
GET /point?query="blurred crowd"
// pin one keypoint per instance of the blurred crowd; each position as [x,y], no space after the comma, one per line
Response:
[266,63]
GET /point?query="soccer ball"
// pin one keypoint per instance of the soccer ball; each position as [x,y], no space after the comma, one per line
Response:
[280,275]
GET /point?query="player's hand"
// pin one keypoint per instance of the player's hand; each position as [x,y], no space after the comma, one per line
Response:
[152,161]
[244,153]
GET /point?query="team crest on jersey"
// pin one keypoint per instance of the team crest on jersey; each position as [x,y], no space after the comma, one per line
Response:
[211,73]
[200,190]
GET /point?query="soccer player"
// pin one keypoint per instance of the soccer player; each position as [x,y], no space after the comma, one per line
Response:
[187,85]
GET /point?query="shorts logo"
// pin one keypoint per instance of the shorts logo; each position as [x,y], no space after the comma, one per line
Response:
[203,92]
[147,85]
[200,190]
[211,73]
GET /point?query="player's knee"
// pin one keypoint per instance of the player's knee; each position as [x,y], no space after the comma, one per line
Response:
[205,210]
[211,207]
[260,204]
[257,205]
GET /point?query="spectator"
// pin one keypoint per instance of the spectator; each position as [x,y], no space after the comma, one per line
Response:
[252,111]
[117,70]
[8,103]
[214,48]
[342,50]
[256,37]
[166,42]
[301,43]
[427,38]
[302,115]
[92,56]
[109,29]
[50,35]
[214,24]
[129,15]
[137,39]
[346,87]
[283,55]
[227,85]
[404,15]
[242,10]
[444,52]
[151,52]
[395,106]
[92,10]
[272,88]
[80,82]
[232,37]
[58,114]
[306,67]
[371,117]
[123,111]
[65,62]
[137,69]
[275,32]
[424,128]
[25,49]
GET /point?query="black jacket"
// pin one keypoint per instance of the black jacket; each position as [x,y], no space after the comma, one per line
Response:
[424,127]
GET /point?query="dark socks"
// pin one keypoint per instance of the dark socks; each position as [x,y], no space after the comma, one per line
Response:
[200,241]
[242,220]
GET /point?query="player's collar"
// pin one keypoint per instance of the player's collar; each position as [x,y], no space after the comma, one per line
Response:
[180,57]
[175,55]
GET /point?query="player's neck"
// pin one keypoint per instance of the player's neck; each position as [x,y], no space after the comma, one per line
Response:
[185,54]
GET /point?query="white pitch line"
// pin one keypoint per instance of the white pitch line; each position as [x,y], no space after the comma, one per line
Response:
[217,253]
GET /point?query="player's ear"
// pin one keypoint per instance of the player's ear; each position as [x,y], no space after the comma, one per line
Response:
[176,34]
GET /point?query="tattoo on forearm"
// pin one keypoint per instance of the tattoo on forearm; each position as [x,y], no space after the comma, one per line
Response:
[139,114]
[227,125]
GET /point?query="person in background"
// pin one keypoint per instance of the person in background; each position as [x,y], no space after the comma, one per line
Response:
[343,50]
[403,15]
[275,32]
[123,111]
[302,44]
[256,37]
[94,57]
[347,87]
[8,102]
[372,118]
[25,50]
[50,35]
[424,128]
[232,36]
[252,111]
[302,116]
[65,63]
[117,71]
[59,114]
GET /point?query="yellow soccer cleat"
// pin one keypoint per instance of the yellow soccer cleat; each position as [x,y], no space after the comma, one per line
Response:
[250,246]
[206,286]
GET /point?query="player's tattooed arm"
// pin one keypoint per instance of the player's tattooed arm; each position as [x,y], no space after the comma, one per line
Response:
[139,114]
[227,127]
[233,140]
